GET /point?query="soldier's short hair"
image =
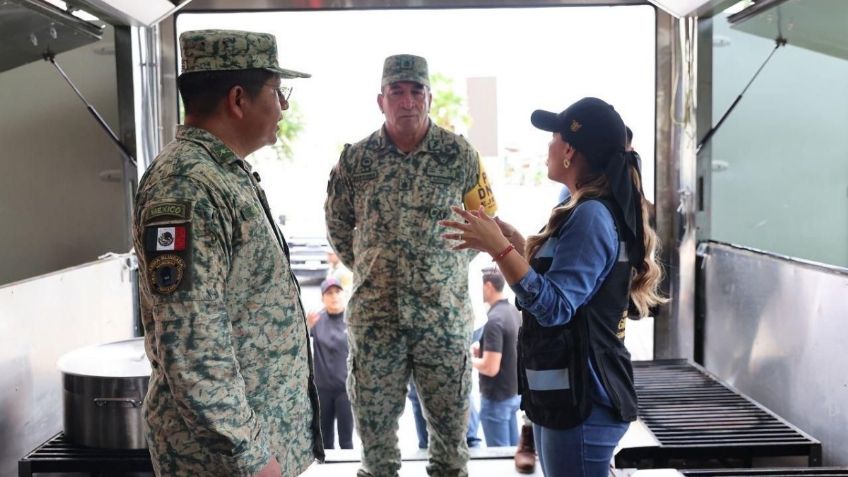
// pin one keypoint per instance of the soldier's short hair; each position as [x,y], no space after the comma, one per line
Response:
[213,61]
[494,276]
[202,91]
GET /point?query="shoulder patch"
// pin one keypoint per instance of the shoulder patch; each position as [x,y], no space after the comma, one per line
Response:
[166,238]
[167,255]
[178,210]
[165,273]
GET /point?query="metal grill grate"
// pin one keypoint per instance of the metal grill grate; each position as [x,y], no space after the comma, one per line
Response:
[59,455]
[695,417]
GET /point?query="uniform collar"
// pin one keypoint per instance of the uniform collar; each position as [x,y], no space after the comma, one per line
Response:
[385,142]
[217,149]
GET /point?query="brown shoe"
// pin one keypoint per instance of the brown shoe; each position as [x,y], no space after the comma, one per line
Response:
[525,452]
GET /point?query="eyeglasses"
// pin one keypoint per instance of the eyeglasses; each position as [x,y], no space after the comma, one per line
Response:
[283,92]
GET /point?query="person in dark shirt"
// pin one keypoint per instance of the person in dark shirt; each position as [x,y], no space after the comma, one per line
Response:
[496,360]
[329,337]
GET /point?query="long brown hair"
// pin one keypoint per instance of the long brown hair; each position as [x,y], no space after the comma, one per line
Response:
[644,286]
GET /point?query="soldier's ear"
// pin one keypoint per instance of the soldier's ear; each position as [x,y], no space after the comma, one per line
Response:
[380,102]
[235,101]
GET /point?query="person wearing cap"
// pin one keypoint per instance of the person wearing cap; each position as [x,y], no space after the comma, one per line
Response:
[231,392]
[329,339]
[628,146]
[573,282]
[410,314]
[336,269]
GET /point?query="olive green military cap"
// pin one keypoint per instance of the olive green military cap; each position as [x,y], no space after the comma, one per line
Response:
[231,50]
[405,68]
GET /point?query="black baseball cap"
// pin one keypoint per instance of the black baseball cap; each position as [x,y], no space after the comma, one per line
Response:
[591,125]
[594,128]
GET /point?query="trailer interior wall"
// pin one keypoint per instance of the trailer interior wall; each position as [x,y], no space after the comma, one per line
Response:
[41,319]
[61,195]
[775,329]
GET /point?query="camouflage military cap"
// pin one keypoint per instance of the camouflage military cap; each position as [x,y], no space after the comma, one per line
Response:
[405,68]
[231,50]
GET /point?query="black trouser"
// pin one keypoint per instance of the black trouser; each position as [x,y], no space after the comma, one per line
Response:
[335,406]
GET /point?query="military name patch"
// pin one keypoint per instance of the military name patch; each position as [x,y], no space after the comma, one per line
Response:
[168,209]
[361,176]
[441,180]
[165,238]
[440,176]
[165,273]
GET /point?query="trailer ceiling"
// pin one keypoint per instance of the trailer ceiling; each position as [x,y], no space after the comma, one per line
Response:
[31,28]
[674,7]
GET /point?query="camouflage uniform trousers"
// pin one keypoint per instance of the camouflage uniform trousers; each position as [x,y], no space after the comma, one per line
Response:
[382,358]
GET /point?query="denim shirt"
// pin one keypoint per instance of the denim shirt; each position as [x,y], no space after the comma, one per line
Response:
[583,255]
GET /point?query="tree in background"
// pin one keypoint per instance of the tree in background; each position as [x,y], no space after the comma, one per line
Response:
[287,132]
[448,109]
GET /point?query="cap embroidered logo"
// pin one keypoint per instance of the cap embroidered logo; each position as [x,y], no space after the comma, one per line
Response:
[575,126]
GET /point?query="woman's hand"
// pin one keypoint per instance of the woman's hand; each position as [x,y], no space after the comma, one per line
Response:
[478,232]
[511,234]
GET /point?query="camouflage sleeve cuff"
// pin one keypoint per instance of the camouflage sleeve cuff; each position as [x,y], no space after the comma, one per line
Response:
[247,463]
[347,258]
[340,236]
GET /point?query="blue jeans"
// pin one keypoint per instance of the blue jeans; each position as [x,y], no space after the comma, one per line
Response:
[500,426]
[421,423]
[582,451]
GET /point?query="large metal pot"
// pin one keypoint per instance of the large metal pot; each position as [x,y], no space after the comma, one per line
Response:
[104,387]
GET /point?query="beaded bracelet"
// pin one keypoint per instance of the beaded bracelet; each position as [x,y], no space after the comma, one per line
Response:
[504,252]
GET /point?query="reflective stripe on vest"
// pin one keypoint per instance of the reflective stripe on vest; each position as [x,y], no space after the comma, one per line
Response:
[548,379]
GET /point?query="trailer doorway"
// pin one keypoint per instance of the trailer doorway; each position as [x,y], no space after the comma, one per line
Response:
[499,63]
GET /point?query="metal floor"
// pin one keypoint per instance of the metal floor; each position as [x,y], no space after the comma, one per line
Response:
[485,462]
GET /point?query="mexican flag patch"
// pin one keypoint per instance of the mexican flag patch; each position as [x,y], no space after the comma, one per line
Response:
[166,238]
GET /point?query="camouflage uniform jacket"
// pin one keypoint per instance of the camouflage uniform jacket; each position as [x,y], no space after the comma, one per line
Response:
[381,210]
[224,327]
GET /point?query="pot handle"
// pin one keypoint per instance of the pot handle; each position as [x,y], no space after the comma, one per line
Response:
[100,402]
